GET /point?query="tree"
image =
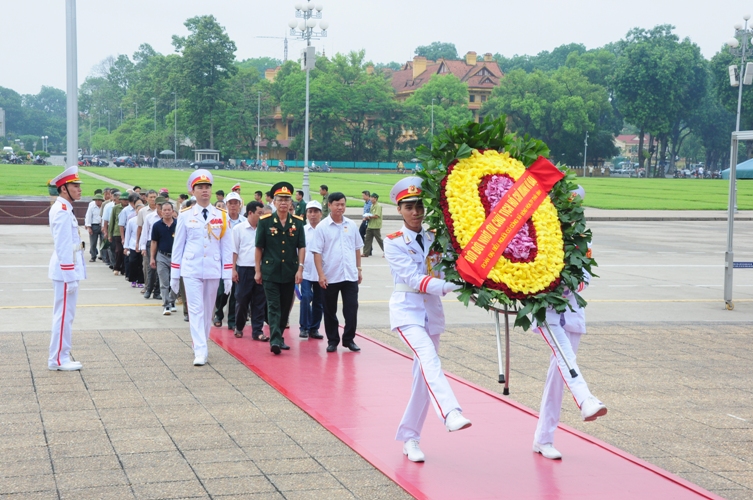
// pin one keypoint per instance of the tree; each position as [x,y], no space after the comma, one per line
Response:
[450,97]
[558,107]
[208,61]
[437,50]
[659,82]
[544,60]
[261,64]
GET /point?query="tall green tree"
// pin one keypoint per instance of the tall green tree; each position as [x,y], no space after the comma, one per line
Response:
[207,63]
[437,50]
[659,82]
[450,106]
[558,107]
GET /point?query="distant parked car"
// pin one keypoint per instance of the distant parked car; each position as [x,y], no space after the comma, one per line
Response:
[121,160]
[208,164]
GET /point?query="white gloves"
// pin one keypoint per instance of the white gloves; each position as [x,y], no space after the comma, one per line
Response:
[72,287]
[450,287]
[175,285]
[228,284]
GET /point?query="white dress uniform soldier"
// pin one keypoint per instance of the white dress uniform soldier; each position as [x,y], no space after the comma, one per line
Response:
[567,327]
[416,315]
[202,255]
[66,269]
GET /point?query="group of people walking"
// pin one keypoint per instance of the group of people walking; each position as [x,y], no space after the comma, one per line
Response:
[211,255]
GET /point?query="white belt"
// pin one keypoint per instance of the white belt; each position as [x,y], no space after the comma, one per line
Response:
[402,287]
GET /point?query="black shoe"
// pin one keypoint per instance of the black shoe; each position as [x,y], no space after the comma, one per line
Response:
[275,349]
[315,335]
[353,347]
[185,317]
[157,297]
[231,327]
[331,348]
[304,334]
[284,347]
[147,296]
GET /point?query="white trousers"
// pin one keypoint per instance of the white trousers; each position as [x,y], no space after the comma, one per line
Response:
[63,311]
[556,378]
[201,295]
[430,386]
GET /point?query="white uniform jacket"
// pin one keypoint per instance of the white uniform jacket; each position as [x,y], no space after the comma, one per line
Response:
[67,261]
[410,267]
[572,321]
[202,248]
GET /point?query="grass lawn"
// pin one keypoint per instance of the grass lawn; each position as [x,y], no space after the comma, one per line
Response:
[33,180]
[606,193]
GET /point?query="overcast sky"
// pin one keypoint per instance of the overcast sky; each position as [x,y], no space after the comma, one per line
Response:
[32,32]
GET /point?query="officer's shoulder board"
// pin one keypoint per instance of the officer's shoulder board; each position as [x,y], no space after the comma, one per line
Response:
[394,235]
[297,217]
[64,206]
[184,209]
[265,216]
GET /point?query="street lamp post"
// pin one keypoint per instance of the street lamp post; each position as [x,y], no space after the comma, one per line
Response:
[71,51]
[304,30]
[175,115]
[736,79]
[258,126]
[107,111]
[585,153]
[155,129]
[432,124]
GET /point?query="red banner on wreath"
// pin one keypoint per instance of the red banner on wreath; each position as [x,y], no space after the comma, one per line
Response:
[484,250]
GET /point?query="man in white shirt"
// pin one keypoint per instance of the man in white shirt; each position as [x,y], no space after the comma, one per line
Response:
[151,281]
[108,254]
[93,224]
[234,204]
[312,298]
[134,269]
[337,255]
[247,291]
[145,247]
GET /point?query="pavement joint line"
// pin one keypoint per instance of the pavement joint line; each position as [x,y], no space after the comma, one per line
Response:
[734,416]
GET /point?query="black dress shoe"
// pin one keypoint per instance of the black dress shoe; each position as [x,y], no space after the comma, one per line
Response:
[304,334]
[331,348]
[275,349]
[315,335]
[284,347]
[353,347]
[157,297]
[185,317]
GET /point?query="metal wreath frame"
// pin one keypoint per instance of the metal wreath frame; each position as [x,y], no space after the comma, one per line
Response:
[729,255]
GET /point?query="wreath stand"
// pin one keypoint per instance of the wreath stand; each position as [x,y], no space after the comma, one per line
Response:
[504,369]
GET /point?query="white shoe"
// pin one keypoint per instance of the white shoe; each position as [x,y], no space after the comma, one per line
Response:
[173,309]
[592,408]
[68,366]
[547,451]
[199,361]
[455,421]
[414,453]
[166,312]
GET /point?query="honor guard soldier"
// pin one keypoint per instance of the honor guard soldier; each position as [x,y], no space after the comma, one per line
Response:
[202,255]
[280,252]
[67,268]
[416,315]
[567,327]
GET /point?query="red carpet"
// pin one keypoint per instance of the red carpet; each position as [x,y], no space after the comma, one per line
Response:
[360,398]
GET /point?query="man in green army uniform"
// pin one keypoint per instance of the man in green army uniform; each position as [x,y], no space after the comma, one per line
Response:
[300,205]
[280,251]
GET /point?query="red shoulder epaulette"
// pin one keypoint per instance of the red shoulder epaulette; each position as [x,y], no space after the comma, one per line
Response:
[64,206]
[395,235]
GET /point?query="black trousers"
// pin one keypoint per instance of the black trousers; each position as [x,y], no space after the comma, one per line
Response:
[135,272]
[279,297]
[249,293]
[349,292]
[362,229]
[117,243]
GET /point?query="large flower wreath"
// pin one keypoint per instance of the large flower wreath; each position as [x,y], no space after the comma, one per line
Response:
[469,169]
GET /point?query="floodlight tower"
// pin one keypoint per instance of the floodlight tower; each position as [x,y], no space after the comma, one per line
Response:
[308,12]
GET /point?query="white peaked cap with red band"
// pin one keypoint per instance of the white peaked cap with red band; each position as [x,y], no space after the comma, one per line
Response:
[406,189]
[199,176]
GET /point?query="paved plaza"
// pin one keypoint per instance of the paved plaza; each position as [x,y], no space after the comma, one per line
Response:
[139,421]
